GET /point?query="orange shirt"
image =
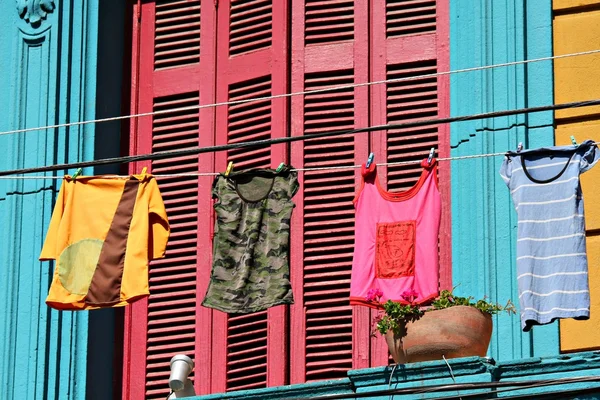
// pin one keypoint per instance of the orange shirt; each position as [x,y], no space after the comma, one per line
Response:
[102,234]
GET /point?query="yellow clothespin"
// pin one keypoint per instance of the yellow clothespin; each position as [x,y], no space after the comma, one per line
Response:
[144,170]
[76,174]
[229,168]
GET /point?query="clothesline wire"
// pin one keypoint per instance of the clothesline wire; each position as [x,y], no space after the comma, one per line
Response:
[301,93]
[195,175]
[268,142]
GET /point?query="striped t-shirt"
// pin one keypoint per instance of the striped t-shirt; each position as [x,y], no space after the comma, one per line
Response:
[552,269]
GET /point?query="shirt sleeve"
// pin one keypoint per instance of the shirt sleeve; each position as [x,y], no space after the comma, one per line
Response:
[294,185]
[159,223]
[49,250]
[506,170]
[590,158]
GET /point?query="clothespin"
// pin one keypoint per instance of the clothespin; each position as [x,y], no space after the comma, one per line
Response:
[280,168]
[430,155]
[573,141]
[144,170]
[229,168]
[76,174]
[370,160]
[520,147]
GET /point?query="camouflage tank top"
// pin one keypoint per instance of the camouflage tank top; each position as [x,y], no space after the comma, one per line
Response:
[250,270]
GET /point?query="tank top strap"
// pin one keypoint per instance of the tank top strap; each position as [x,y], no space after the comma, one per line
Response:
[427,165]
[366,172]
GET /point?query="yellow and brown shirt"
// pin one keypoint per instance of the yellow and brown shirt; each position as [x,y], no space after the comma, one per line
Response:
[102,234]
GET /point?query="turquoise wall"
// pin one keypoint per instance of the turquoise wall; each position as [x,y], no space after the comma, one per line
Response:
[485,32]
[48,74]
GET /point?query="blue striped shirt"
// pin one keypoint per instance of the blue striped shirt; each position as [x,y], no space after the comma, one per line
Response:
[552,269]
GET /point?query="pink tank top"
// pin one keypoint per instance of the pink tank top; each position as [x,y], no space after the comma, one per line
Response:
[396,240]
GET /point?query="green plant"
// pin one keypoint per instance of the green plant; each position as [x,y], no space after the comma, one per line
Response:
[446,299]
[395,315]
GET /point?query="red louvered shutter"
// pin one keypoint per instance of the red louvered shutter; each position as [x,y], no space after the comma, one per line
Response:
[250,351]
[409,39]
[329,47]
[175,68]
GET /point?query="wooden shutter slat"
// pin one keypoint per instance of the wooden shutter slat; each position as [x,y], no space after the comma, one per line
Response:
[322,29]
[319,269]
[182,267]
[318,354]
[165,5]
[239,6]
[175,126]
[426,8]
[333,180]
[167,322]
[160,308]
[170,22]
[261,331]
[254,377]
[257,24]
[317,315]
[165,337]
[257,349]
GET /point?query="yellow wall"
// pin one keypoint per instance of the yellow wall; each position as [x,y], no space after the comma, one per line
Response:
[576,29]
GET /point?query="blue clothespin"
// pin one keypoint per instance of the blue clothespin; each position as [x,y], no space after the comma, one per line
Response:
[520,147]
[573,141]
[430,156]
[280,168]
[370,159]
[76,174]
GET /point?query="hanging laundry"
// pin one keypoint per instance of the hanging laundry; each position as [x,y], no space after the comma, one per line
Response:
[250,270]
[102,234]
[396,240]
[552,269]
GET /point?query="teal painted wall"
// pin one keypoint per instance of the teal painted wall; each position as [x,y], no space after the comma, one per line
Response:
[48,75]
[485,32]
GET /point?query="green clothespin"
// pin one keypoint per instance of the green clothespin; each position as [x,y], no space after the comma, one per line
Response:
[76,174]
[280,168]
[573,141]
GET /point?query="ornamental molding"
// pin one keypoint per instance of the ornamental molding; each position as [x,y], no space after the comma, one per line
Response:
[34,11]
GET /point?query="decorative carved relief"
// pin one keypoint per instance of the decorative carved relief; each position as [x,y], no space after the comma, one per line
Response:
[33,11]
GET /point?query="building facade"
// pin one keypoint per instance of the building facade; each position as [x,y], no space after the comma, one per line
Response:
[64,63]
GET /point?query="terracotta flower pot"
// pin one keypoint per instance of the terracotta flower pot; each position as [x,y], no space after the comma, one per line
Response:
[458,331]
